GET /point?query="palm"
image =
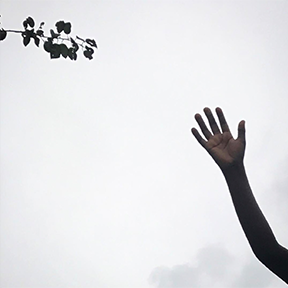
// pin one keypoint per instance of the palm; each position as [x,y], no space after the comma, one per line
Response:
[223,148]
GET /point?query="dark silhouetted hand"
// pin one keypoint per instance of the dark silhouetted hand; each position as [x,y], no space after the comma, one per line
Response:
[224,149]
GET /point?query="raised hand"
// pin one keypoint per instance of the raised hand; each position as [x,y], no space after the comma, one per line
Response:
[224,149]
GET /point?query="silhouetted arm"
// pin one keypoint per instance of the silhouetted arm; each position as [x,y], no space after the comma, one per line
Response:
[254,224]
[228,153]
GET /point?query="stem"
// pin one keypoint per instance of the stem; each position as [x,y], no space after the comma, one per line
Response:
[58,38]
[14,31]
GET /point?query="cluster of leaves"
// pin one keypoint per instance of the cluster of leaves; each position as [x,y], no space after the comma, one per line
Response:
[54,44]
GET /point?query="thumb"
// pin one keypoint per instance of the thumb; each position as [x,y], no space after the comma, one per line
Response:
[241,130]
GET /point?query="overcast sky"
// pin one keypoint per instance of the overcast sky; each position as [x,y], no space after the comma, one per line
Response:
[102,184]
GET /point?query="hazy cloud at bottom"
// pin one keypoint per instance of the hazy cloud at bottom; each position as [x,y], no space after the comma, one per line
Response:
[215,266]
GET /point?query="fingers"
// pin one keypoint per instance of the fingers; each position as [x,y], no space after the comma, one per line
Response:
[241,130]
[203,126]
[214,126]
[198,137]
[222,120]
[212,122]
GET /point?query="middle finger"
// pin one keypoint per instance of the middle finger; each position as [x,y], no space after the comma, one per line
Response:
[212,122]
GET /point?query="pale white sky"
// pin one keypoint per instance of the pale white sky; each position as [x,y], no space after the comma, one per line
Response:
[102,184]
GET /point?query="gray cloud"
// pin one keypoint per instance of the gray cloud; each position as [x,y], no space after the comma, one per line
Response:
[212,265]
[275,202]
[279,190]
[178,276]
[214,261]
[215,267]
[253,275]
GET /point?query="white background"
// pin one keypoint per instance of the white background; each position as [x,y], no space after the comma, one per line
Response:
[102,183]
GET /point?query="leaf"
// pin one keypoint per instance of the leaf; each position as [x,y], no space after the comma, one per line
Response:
[30,21]
[3,34]
[80,38]
[88,53]
[55,51]
[89,49]
[74,44]
[37,41]
[67,28]
[72,54]
[60,26]
[40,32]
[64,50]
[25,24]
[53,34]
[30,33]
[92,42]
[26,40]
[76,47]
[48,46]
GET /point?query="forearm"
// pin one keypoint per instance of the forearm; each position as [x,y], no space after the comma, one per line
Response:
[252,220]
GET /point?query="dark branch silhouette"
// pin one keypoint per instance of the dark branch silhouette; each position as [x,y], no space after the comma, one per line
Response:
[228,153]
[54,44]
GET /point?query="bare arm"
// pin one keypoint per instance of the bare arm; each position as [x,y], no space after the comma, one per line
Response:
[228,153]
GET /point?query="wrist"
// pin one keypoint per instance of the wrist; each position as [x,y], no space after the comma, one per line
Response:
[234,169]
